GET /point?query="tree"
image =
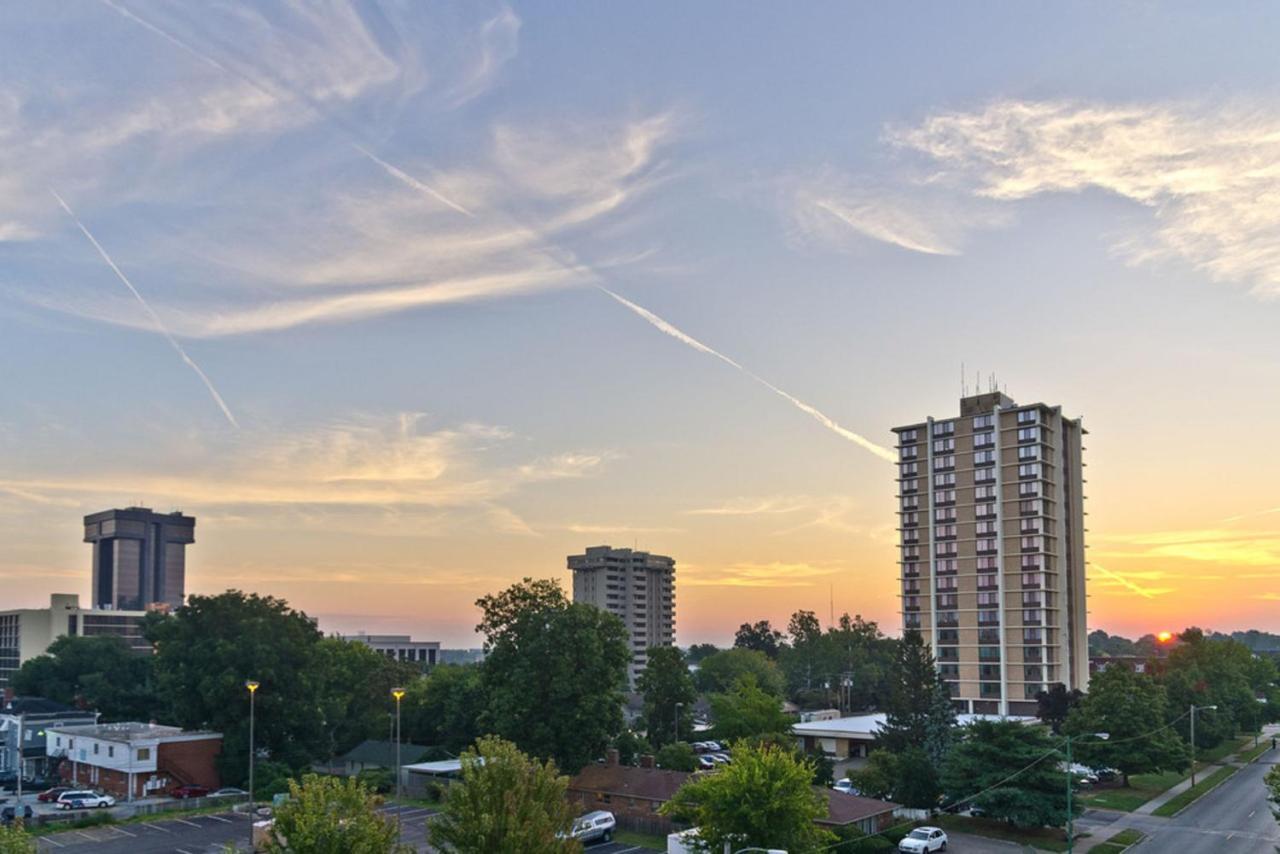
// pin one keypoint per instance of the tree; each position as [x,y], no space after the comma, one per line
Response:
[919,711]
[1272,782]
[505,801]
[1131,709]
[15,840]
[665,683]
[1053,706]
[443,708]
[908,777]
[878,777]
[765,798]
[208,648]
[677,756]
[631,746]
[1015,767]
[848,666]
[759,636]
[824,767]
[354,695]
[745,711]
[720,671]
[699,651]
[99,672]
[553,680]
[329,815]
[1208,672]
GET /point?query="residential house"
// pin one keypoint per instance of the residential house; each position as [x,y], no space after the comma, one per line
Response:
[26,718]
[373,754]
[132,760]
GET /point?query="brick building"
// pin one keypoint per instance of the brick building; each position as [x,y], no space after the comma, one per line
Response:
[134,760]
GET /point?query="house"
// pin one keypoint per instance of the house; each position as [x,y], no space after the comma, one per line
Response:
[372,754]
[419,778]
[1136,663]
[854,737]
[133,760]
[25,719]
[634,796]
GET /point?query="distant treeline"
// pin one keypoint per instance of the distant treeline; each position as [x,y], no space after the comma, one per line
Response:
[1101,643]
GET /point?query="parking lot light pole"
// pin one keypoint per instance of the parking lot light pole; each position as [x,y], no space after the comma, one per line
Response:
[679,707]
[253,690]
[1194,709]
[1071,782]
[398,693]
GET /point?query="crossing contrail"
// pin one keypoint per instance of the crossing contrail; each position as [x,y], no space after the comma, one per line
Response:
[813,412]
[155,318]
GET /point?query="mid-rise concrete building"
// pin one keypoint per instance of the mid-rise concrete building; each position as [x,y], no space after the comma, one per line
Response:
[399,647]
[991,521]
[139,557]
[28,632]
[637,586]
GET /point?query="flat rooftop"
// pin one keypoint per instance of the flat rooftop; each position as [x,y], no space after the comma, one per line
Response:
[132,731]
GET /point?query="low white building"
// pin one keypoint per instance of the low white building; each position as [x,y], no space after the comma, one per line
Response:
[133,760]
[854,737]
[399,647]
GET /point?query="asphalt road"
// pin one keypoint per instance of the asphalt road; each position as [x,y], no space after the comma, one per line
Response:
[201,834]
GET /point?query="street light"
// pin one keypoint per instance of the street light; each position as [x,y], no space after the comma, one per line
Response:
[679,706]
[1194,709]
[398,693]
[1071,780]
[253,690]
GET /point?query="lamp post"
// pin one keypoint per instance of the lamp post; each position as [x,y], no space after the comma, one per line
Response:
[398,693]
[253,690]
[1194,709]
[679,706]
[1071,782]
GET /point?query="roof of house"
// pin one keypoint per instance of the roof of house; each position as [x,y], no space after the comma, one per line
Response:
[657,784]
[40,706]
[133,731]
[845,809]
[868,726]
[444,766]
[383,753]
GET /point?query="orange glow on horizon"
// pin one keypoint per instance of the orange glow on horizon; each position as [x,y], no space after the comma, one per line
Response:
[1164,637]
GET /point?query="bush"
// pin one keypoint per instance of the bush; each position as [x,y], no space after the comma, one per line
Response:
[677,756]
[380,780]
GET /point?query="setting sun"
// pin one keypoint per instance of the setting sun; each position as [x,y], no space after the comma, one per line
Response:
[1164,637]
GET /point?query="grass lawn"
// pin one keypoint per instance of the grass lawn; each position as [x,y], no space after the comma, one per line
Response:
[1222,751]
[647,840]
[1119,842]
[1254,752]
[1142,788]
[1044,838]
[1188,797]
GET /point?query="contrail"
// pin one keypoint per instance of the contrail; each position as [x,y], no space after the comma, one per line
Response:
[155,318]
[1123,581]
[830,423]
[398,174]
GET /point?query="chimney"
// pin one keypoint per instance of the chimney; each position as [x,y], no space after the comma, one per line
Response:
[611,756]
[646,761]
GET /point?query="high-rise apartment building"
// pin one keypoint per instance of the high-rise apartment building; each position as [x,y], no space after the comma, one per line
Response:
[638,587]
[139,557]
[991,520]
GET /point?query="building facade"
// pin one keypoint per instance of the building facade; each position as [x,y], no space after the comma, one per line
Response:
[399,647]
[23,721]
[134,760]
[636,586]
[28,632]
[139,557]
[991,552]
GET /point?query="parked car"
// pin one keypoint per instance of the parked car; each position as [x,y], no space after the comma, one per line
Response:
[79,799]
[228,792]
[594,826]
[49,795]
[846,786]
[923,840]
[7,814]
[722,758]
[1106,775]
[714,746]
[188,791]
[706,763]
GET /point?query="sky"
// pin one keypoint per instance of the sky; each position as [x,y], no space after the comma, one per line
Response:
[407,301]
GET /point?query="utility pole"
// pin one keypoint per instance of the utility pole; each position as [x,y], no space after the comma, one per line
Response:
[1194,709]
[22,720]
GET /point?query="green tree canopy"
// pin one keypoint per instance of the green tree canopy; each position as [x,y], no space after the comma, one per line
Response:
[699,651]
[1209,672]
[677,756]
[505,801]
[554,676]
[329,815]
[759,636]
[1015,767]
[444,707]
[848,666]
[919,712]
[664,683]
[1053,706]
[354,694]
[631,746]
[1131,709]
[100,673]
[208,648]
[765,798]
[1272,782]
[15,840]
[720,671]
[908,777]
[745,711]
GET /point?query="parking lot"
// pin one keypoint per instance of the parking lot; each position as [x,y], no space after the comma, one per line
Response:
[198,834]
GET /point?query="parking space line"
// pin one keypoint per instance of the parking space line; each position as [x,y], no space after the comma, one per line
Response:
[119,829]
[51,841]
[187,823]
[92,839]
[156,827]
[182,851]
[219,818]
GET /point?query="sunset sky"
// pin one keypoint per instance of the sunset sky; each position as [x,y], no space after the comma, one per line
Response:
[406,301]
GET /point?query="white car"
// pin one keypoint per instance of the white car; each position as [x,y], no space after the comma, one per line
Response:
[594,826]
[83,799]
[846,786]
[924,839]
[722,758]
[706,763]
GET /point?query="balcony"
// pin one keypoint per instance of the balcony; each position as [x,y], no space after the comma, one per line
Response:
[948,623]
[988,636]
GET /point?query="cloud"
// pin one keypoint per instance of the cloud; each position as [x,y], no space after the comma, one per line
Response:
[1239,548]
[498,42]
[618,529]
[1207,173]
[775,574]
[829,512]
[1115,579]
[1269,597]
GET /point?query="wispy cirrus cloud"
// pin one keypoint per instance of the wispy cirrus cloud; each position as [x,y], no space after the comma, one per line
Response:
[1127,582]
[1231,547]
[746,574]
[829,512]
[1205,171]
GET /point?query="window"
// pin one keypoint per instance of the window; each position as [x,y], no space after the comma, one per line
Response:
[1033,635]
[909,452]
[948,583]
[948,619]
[984,458]
[1033,580]
[1030,508]
[910,503]
[984,493]
[909,469]
[1029,490]
[910,519]
[910,552]
[988,618]
[911,621]
[984,475]
[984,440]
[1032,562]
[95,748]
[947,549]
[944,428]
[986,528]
[986,545]
[1028,416]
[988,599]
[944,514]
[58,741]
[944,532]
[943,446]
[988,564]
[907,436]
[944,463]
[944,480]
[948,600]
[1032,617]
[1029,452]
[910,485]
[111,750]
[981,422]
[945,496]
[911,570]
[987,582]
[1030,526]
[1028,434]
[1029,470]
[949,636]
[1033,544]
[985,510]
[911,603]
[949,566]
[988,653]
